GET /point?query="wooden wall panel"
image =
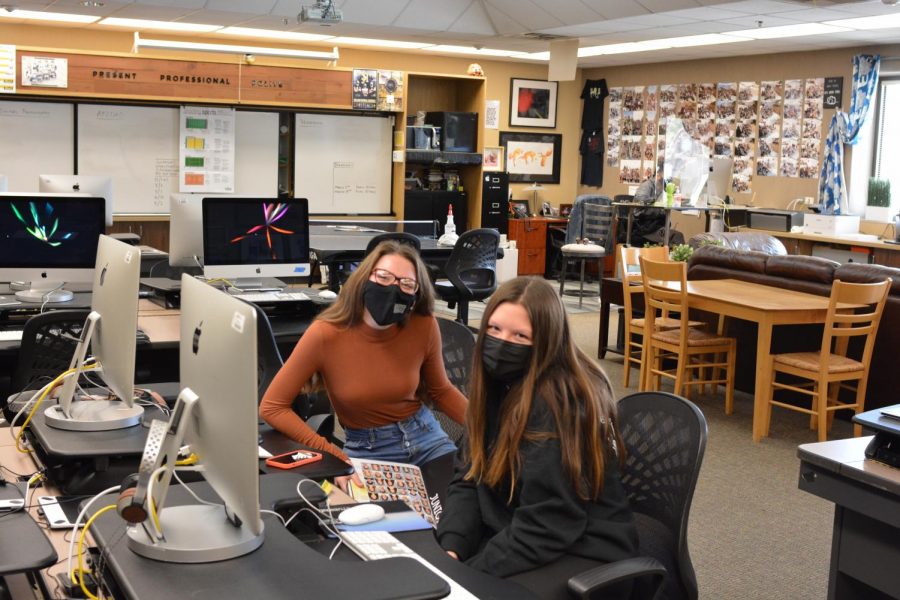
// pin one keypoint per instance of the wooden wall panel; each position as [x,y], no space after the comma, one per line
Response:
[283,85]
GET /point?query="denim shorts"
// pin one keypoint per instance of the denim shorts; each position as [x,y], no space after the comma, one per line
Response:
[415,440]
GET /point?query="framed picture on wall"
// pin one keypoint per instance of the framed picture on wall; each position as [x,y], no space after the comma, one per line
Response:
[492,158]
[532,103]
[532,157]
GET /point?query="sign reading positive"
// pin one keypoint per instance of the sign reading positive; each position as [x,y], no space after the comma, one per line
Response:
[833,88]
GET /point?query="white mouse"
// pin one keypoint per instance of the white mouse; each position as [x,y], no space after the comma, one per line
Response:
[361,514]
[328,294]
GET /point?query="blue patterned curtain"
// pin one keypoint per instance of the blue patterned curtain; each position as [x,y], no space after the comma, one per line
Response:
[844,129]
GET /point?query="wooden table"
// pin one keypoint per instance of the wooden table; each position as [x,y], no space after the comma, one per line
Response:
[766,306]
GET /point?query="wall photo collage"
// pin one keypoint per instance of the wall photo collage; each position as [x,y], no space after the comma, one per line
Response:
[768,128]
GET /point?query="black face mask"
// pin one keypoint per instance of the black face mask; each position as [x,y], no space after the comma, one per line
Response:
[505,361]
[387,304]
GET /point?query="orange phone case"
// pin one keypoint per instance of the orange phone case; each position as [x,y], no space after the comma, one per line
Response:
[300,458]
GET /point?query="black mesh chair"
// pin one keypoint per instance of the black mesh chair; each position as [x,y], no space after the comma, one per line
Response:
[397,236]
[48,343]
[309,407]
[457,347]
[471,271]
[665,438]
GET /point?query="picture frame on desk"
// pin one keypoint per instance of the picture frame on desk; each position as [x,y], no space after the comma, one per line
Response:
[532,157]
[532,103]
[519,209]
[565,210]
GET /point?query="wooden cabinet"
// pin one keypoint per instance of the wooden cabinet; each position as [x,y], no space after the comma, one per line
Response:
[531,241]
[154,231]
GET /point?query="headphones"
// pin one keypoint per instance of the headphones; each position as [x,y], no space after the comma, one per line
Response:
[133,492]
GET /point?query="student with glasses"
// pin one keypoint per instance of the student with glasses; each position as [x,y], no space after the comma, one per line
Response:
[374,350]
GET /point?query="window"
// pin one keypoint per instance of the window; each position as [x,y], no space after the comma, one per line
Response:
[887,150]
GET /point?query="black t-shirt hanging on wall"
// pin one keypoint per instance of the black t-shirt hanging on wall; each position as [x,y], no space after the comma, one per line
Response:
[593,94]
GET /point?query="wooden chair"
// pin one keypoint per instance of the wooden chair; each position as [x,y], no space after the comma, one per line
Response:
[830,368]
[695,350]
[630,270]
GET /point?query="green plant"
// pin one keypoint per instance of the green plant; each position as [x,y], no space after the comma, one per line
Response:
[879,192]
[681,253]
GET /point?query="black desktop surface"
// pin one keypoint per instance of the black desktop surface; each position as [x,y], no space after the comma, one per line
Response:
[23,544]
[283,567]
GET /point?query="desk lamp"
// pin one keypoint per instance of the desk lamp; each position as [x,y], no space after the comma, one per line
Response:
[534,188]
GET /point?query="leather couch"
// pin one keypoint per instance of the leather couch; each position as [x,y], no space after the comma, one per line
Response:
[813,275]
[740,240]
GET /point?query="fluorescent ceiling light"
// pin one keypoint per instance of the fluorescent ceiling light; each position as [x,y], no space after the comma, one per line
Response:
[786,31]
[354,41]
[273,34]
[47,16]
[474,50]
[234,49]
[165,25]
[535,55]
[866,23]
[625,48]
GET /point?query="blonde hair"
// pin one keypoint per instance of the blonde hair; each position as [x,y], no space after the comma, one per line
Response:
[574,388]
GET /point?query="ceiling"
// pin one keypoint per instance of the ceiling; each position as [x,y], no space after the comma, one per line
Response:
[513,24]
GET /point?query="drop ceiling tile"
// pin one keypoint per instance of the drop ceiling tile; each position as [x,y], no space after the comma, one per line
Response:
[474,20]
[435,16]
[817,15]
[647,21]
[533,15]
[751,22]
[666,6]
[139,10]
[183,4]
[383,12]
[257,7]
[504,23]
[707,13]
[616,9]
[762,7]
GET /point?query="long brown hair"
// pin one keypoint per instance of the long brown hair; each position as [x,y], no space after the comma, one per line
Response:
[573,387]
[348,309]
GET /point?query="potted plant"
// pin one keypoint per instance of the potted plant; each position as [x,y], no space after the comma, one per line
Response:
[878,203]
[681,252]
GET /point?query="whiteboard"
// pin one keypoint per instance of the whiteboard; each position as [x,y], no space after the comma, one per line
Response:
[342,163]
[35,138]
[256,154]
[138,147]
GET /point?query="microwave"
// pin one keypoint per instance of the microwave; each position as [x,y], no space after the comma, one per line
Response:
[423,138]
[459,130]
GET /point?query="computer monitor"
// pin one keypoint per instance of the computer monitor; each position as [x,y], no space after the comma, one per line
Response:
[186,229]
[95,185]
[719,182]
[48,240]
[216,414]
[110,332]
[255,238]
[4,183]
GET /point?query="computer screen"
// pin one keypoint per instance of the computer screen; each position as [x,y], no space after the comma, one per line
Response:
[255,237]
[95,185]
[719,182]
[216,415]
[48,240]
[110,333]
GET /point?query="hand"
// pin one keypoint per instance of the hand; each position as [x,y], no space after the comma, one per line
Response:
[344,482]
[453,554]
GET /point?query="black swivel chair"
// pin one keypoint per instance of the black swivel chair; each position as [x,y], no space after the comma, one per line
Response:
[48,343]
[471,271]
[398,236]
[457,348]
[665,438]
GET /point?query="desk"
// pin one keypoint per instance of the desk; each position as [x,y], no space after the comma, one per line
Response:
[865,545]
[802,243]
[284,567]
[668,210]
[766,306]
[23,546]
[531,237]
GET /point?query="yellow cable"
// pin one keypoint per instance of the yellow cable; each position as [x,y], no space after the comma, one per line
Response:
[81,550]
[193,459]
[152,506]
[50,387]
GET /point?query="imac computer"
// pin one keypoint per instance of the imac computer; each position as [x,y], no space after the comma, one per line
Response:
[48,240]
[186,229]
[95,185]
[246,239]
[216,415]
[719,182]
[109,331]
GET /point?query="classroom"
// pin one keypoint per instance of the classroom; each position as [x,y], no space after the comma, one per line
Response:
[725,165]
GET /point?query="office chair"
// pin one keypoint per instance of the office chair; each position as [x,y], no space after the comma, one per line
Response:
[457,348]
[471,271]
[269,362]
[591,220]
[398,236]
[48,343]
[665,438]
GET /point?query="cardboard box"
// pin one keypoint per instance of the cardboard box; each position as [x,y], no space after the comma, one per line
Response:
[830,224]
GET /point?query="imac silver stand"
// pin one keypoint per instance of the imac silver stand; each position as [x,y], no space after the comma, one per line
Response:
[190,533]
[39,293]
[88,415]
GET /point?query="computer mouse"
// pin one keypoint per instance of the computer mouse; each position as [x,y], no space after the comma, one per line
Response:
[361,514]
[328,294]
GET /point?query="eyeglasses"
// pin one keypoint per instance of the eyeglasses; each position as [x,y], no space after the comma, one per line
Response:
[385,277]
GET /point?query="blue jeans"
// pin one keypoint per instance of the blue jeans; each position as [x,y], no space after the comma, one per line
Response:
[415,440]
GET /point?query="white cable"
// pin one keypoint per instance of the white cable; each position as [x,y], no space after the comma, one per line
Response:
[189,490]
[272,512]
[83,512]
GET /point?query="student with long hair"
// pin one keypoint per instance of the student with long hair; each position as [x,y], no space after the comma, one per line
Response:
[372,349]
[537,496]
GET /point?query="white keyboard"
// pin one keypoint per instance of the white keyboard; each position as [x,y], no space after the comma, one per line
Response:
[14,335]
[375,545]
[273,296]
